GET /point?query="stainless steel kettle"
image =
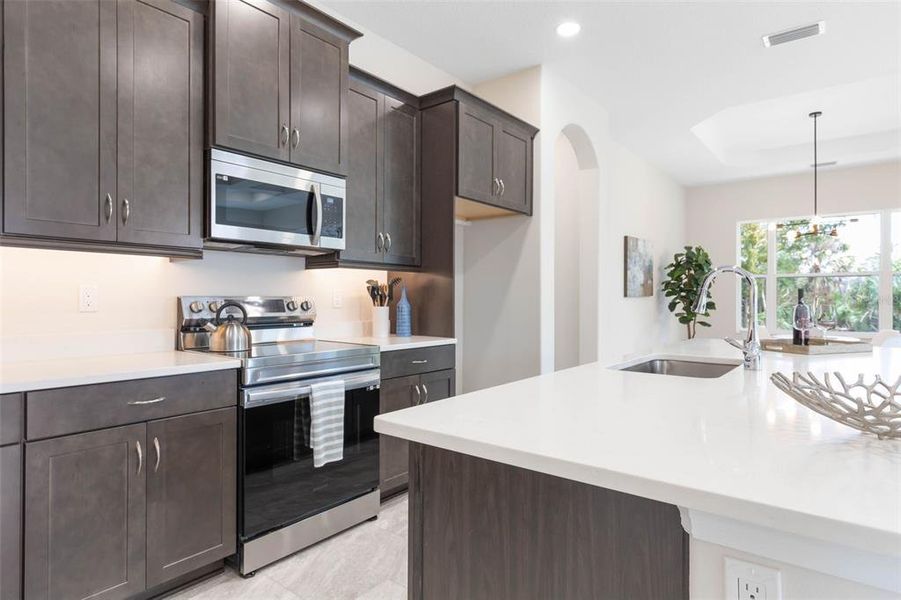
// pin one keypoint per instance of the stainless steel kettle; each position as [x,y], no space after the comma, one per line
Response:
[230,335]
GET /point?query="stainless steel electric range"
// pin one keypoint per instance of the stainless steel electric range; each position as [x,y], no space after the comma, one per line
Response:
[284,503]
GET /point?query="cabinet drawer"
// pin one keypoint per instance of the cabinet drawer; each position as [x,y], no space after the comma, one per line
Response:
[71,410]
[400,363]
[12,417]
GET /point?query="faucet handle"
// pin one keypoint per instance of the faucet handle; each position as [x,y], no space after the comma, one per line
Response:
[735,343]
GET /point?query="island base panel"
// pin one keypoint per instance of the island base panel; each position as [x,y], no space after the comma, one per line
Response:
[481,529]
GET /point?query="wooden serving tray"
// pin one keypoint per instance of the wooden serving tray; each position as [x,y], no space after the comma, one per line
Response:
[817,346]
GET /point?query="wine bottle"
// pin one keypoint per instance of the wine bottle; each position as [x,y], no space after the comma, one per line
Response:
[802,322]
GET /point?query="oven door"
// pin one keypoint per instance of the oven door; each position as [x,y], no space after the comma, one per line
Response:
[278,483]
[253,201]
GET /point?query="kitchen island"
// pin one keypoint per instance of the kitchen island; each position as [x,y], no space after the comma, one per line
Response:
[595,482]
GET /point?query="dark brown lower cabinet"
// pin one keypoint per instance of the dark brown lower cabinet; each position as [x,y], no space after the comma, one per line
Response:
[11,522]
[396,394]
[190,493]
[112,513]
[485,530]
[85,513]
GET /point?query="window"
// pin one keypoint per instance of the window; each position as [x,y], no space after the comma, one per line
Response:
[840,269]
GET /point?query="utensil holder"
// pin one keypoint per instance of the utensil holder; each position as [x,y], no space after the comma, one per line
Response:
[381,324]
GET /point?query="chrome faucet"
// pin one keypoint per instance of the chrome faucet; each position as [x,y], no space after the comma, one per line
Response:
[751,346]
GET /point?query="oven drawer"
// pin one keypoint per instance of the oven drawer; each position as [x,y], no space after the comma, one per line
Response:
[70,410]
[400,363]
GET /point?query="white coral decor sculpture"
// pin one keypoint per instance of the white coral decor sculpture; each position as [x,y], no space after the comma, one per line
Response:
[873,408]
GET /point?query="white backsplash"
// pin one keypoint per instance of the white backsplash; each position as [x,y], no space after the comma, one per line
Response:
[39,315]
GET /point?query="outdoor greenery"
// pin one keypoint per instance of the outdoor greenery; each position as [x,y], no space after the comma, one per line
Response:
[849,302]
[683,283]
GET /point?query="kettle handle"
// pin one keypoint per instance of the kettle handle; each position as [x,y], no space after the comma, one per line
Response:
[225,305]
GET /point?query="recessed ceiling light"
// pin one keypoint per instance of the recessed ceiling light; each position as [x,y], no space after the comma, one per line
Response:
[568,29]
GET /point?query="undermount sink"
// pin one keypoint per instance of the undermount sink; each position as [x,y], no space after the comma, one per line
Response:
[682,368]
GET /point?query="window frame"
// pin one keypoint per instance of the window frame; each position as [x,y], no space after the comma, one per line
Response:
[885,275]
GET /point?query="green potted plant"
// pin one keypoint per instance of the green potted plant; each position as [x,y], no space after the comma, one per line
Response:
[683,282]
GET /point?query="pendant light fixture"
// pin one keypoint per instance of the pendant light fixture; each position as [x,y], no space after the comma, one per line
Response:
[815,228]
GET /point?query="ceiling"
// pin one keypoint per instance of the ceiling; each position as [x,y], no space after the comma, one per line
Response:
[688,85]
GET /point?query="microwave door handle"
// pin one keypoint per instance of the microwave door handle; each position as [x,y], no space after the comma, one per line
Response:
[317,230]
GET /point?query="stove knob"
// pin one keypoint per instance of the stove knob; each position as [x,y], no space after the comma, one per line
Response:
[306,305]
[214,306]
[291,305]
[196,306]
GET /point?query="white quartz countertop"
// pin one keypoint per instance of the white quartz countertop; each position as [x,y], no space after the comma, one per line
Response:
[396,342]
[734,446]
[66,372]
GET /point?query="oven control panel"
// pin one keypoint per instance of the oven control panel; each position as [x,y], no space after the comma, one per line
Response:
[195,311]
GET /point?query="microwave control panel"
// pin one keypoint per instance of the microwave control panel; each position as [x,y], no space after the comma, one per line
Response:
[332,216]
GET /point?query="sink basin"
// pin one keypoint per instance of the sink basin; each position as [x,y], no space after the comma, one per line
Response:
[682,368]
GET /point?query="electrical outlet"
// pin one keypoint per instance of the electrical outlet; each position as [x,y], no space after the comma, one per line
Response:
[751,590]
[337,299]
[87,298]
[749,581]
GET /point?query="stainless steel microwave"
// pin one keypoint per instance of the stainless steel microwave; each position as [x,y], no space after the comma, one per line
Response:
[254,201]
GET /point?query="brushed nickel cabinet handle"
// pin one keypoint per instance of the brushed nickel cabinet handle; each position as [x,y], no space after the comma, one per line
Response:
[418,395]
[140,456]
[126,210]
[108,208]
[426,391]
[379,241]
[503,187]
[295,138]
[156,446]
[387,242]
[495,186]
[140,402]
[420,362]
[284,134]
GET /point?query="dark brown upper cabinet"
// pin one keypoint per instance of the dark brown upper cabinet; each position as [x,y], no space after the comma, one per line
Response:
[494,156]
[250,77]
[279,82]
[383,207]
[103,131]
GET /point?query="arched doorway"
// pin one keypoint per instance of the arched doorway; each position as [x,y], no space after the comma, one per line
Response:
[576,195]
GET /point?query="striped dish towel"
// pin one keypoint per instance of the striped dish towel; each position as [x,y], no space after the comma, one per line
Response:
[327,421]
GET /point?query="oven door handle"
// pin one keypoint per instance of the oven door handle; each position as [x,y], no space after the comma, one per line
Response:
[273,394]
[317,231]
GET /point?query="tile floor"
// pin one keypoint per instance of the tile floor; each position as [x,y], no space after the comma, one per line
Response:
[368,562]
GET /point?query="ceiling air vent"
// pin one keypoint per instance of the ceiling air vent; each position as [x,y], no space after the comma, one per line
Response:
[798,33]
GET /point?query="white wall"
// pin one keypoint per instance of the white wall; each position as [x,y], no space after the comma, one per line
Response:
[567,263]
[714,211]
[634,199]
[137,295]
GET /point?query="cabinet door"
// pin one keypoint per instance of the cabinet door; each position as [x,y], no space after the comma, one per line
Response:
[364,184]
[59,66]
[395,394]
[475,179]
[191,468]
[250,77]
[160,123]
[319,81]
[84,515]
[514,168]
[11,522]
[438,385]
[400,208]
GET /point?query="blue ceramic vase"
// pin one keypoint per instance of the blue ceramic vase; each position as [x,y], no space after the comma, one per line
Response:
[404,315]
